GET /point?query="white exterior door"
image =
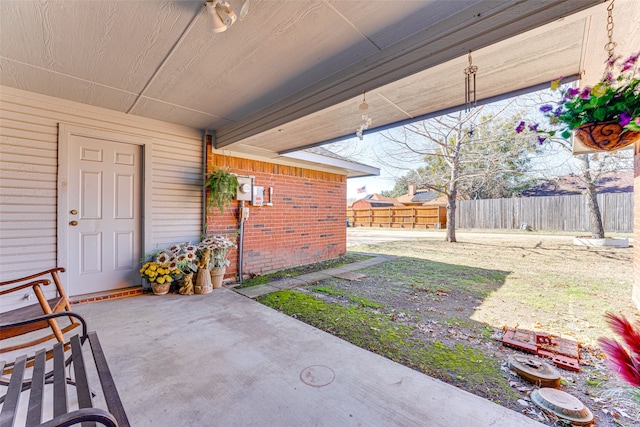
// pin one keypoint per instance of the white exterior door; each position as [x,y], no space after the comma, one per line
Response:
[104,214]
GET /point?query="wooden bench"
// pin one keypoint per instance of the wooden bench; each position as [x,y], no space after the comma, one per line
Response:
[55,399]
[56,304]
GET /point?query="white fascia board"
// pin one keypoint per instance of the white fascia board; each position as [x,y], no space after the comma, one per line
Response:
[354,169]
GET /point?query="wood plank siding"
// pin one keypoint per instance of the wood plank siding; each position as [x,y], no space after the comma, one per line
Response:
[29,167]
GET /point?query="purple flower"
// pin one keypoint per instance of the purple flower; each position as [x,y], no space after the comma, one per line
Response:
[609,77]
[520,127]
[541,140]
[611,61]
[572,91]
[557,112]
[630,62]
[625,118]
[546,108]
[586,93]
[533,128]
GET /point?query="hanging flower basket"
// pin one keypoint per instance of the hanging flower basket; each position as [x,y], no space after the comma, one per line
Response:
[606,136]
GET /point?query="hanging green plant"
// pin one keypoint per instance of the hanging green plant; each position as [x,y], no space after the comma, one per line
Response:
[222,186]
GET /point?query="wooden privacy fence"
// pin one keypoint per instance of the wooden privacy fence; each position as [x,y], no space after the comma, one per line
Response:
[399,217]
[553,213]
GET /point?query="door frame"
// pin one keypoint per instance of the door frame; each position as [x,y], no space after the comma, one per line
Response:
[65,132]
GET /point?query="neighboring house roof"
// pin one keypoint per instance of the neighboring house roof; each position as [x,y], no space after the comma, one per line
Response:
[379,200]
[420,196]
[376,204]
[613,182]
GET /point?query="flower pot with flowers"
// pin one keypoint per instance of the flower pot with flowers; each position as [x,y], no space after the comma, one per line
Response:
[218,247]
[161,272]
[604,117]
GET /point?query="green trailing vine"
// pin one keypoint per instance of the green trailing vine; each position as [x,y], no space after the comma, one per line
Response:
[222,186]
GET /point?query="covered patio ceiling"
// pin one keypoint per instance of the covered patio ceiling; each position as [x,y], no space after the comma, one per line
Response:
[291,73]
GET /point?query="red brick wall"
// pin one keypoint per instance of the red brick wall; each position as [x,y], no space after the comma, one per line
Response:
[306,224]
[636,227]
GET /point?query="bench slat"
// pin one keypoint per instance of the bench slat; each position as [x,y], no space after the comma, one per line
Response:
[106,380]
[80,370]
[43,397]
[34,413]
[60,404]
[13,393]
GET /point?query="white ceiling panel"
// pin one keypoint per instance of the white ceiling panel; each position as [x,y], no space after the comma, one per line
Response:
[114,43]
[39,80]
[299,65]
[172,113]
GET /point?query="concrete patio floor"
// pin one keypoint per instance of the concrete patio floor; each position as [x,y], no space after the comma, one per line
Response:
[223,359]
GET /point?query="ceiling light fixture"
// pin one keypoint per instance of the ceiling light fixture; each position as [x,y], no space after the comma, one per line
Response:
[223,14]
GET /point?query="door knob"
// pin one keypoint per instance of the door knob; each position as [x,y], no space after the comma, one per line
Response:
[73,223]
[74,212]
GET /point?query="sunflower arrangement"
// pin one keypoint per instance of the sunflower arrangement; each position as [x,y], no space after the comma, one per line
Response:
[163,269]
[170,264]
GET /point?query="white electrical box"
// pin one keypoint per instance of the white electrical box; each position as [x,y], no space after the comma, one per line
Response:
[245,188]
[258,196]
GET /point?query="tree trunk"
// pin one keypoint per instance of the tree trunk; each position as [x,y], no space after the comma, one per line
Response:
[595,218]
[453,191]
[451,214]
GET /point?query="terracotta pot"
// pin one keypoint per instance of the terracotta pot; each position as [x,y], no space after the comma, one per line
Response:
[217,275]
[605,136]
[203,282]
[160,289]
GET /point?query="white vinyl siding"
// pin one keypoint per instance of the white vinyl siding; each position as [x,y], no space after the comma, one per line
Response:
[28,176]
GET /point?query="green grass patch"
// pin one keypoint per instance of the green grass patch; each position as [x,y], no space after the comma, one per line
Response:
[304,269]
[329,291]
[376,332]
[364,302]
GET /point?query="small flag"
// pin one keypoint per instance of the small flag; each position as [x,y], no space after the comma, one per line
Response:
[362,189]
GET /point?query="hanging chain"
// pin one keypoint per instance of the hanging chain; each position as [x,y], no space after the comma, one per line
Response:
[611,45]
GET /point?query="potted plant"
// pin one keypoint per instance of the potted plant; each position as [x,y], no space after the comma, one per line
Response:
[218,247]
[604,117]
[222,187]
[161,272]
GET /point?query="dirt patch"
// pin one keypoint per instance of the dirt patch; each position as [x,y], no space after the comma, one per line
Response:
[455,299]
[304,269]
